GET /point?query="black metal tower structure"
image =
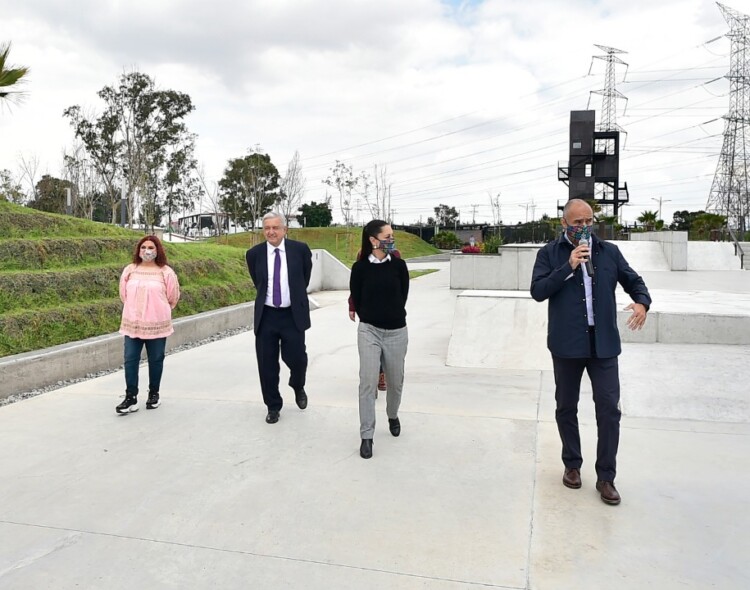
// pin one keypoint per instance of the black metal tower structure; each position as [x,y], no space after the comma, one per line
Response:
[730,194]
[593,168]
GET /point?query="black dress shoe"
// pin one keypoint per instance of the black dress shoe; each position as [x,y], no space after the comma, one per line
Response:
[572,478]
[301,398]
[272,417]
[608,492]
[394,426]
[365,449]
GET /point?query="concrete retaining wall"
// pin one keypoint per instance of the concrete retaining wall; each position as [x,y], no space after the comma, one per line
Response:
[643,255]
[40,368]
[32,370]
[511,269]
[649,251]
[508,330]
[328,273]
[680,254]
[674,244]
[508,270]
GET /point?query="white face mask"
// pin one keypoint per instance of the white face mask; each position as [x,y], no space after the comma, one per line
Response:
[148,255]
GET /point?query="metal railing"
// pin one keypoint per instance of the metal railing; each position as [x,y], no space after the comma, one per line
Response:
[737,248]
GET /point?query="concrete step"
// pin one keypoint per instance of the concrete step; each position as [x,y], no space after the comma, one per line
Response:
[746,250]
[508,329]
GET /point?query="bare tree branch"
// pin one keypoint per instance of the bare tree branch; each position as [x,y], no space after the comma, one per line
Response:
[292,189]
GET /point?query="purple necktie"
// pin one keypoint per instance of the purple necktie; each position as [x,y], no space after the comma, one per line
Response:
[277,279]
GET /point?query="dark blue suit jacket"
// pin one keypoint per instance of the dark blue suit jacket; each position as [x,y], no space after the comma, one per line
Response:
[299,268]
[567,326]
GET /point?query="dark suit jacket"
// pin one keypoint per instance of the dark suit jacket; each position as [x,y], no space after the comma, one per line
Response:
[299,268]
[567,327]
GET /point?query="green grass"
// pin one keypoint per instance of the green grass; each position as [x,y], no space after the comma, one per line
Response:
[22,331]
[26,223]
[415,274]
[59,275]
[342,242]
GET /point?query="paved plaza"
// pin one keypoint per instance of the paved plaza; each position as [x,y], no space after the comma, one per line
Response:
[202,493]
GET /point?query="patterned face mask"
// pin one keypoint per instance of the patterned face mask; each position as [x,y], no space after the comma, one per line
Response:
[148,255]
[578,232]
[387,246]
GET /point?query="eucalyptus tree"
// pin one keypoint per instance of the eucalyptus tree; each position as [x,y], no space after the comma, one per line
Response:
[133,139]
[249,188]
[181,184]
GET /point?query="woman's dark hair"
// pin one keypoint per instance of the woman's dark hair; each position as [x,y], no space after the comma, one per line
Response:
[161,255]
[371,230]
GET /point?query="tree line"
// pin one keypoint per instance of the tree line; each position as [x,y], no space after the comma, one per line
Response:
[136,156]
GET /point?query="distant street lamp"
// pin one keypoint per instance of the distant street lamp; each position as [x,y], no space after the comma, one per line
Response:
[660,200]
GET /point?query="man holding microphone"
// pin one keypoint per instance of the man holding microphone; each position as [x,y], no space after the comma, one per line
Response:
[578,274]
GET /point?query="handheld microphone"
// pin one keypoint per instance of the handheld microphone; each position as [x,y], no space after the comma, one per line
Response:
[589,266]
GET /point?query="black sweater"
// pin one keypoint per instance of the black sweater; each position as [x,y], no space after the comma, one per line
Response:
[379,292]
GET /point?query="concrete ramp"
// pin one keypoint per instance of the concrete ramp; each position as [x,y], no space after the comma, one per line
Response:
[499,329]
[643,256]
[712,256]
[508,329]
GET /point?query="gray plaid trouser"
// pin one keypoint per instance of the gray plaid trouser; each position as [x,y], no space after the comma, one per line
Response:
[378,346]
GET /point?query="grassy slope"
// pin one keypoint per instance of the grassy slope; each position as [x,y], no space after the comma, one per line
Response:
[59,275]
[342,242]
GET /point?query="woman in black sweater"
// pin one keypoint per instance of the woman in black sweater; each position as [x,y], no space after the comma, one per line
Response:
[379,286]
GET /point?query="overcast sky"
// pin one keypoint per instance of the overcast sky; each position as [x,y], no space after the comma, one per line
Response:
[459,100]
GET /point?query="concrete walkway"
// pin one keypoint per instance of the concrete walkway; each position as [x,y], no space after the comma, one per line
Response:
[201,493]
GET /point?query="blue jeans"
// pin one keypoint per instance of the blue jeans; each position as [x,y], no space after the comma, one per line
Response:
[154,351]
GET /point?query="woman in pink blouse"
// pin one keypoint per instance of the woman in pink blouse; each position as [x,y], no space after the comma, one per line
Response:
[149,291]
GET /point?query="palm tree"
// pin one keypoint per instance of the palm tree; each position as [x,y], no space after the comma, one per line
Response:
[648,218]
[10,77]
[595,206]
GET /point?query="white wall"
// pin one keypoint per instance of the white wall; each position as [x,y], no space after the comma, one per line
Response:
[508,330]
[712,256]
[674,244]
[508,270]
[328,273]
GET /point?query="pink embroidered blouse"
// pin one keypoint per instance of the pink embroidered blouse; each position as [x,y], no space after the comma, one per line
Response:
[148,295]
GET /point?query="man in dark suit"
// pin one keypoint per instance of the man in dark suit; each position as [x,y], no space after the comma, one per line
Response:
[280,269]
[582,334]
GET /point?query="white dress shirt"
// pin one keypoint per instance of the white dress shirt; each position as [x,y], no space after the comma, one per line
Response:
[286,300]
[586,283]
[375,260]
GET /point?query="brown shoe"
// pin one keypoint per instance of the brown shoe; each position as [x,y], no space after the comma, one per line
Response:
[608,492]
[382,386]
[572,478]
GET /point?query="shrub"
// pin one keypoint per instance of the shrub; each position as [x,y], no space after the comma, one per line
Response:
[471,250]
[446,240]
[491,244]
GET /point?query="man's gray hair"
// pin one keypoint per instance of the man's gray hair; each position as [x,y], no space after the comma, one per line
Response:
[275,215]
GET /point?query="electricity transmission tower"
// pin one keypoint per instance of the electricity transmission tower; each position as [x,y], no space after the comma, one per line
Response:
[729,191]
[593,170]
[609,94]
